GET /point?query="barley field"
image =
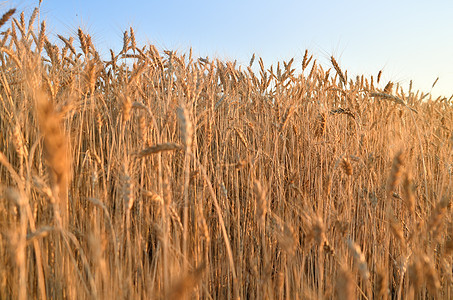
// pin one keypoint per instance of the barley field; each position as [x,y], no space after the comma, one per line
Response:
[153,174]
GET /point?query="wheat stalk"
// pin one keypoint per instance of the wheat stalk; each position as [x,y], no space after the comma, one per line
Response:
[6,16]
[396,172]
[56,148]
[338,70]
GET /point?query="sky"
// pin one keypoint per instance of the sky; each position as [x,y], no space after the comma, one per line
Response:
[407,40]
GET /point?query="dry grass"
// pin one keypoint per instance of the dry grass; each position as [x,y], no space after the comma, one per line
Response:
[158,175]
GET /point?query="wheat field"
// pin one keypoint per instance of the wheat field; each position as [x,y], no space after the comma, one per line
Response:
[156,175]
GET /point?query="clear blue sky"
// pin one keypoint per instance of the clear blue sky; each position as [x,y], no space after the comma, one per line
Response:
[407,39]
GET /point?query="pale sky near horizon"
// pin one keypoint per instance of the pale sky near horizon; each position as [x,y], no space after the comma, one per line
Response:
[407,39]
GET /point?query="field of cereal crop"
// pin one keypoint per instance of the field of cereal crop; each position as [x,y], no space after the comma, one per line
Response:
[159,175]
